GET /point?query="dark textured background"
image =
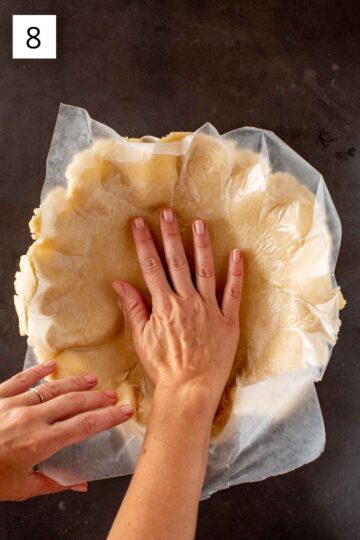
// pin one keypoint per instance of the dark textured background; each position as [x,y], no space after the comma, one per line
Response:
[152,67]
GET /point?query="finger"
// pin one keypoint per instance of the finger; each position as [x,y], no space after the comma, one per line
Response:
[134,306]
[149,259]
[25,379]
[40,484]
[84,425]
[234,284]
[68,405]
[53,389]
[175,253]
[204,261]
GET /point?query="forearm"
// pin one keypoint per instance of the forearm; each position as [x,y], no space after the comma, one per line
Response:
[163,497]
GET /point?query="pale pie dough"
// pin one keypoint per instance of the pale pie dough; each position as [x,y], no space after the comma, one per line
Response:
[83,242]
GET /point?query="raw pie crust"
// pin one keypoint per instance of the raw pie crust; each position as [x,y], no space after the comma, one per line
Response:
[83,242]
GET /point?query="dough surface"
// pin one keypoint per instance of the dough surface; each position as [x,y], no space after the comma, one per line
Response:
[83,242]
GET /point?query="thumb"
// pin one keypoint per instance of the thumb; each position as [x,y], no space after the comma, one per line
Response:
[43,485]
[133,305]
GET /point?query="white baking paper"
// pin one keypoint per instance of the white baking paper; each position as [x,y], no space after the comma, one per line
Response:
[276,424]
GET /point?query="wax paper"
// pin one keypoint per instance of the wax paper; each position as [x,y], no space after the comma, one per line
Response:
[276,425]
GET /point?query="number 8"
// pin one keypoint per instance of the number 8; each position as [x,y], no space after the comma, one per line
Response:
[33,37]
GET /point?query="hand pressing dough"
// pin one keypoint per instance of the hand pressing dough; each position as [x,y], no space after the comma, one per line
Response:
[83,242]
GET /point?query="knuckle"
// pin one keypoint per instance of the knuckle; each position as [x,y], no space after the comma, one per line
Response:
[234,291]
[101,397]
[191,306]
[51,389]
[203,241]
[36,444]
[132,308]
[176,262]
[170,231]
[150,264]
[238,272]
[36,370]
[78,381]
[89,424]
[113,416]
[232,323]
[163,304]
[144,237]
[205,272]
[77,400]
[26,415]
[22,378]
[21,416]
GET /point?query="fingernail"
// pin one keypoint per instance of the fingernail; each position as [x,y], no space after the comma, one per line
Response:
[199,226]
[168,215]
[111,394]
[119,288]
[127,410]
[90,378]
[49,364]
[139,223]
[236,255]
[80,487]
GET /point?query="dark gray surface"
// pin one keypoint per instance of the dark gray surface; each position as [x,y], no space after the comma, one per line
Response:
[153,67]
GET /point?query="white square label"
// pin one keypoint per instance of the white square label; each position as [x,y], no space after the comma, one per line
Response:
[34,36]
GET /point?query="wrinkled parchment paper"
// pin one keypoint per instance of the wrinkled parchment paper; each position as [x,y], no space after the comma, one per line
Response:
[276,424]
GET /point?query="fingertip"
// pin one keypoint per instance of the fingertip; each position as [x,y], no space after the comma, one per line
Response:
[83,487]
[236,266]
[49,365]
[199,226]
[138,223]
[236,255]
[119,288]
[168,215]
[127,410]
[90,378]
[111,394]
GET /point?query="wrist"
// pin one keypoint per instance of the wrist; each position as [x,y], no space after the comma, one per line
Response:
[189,399]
